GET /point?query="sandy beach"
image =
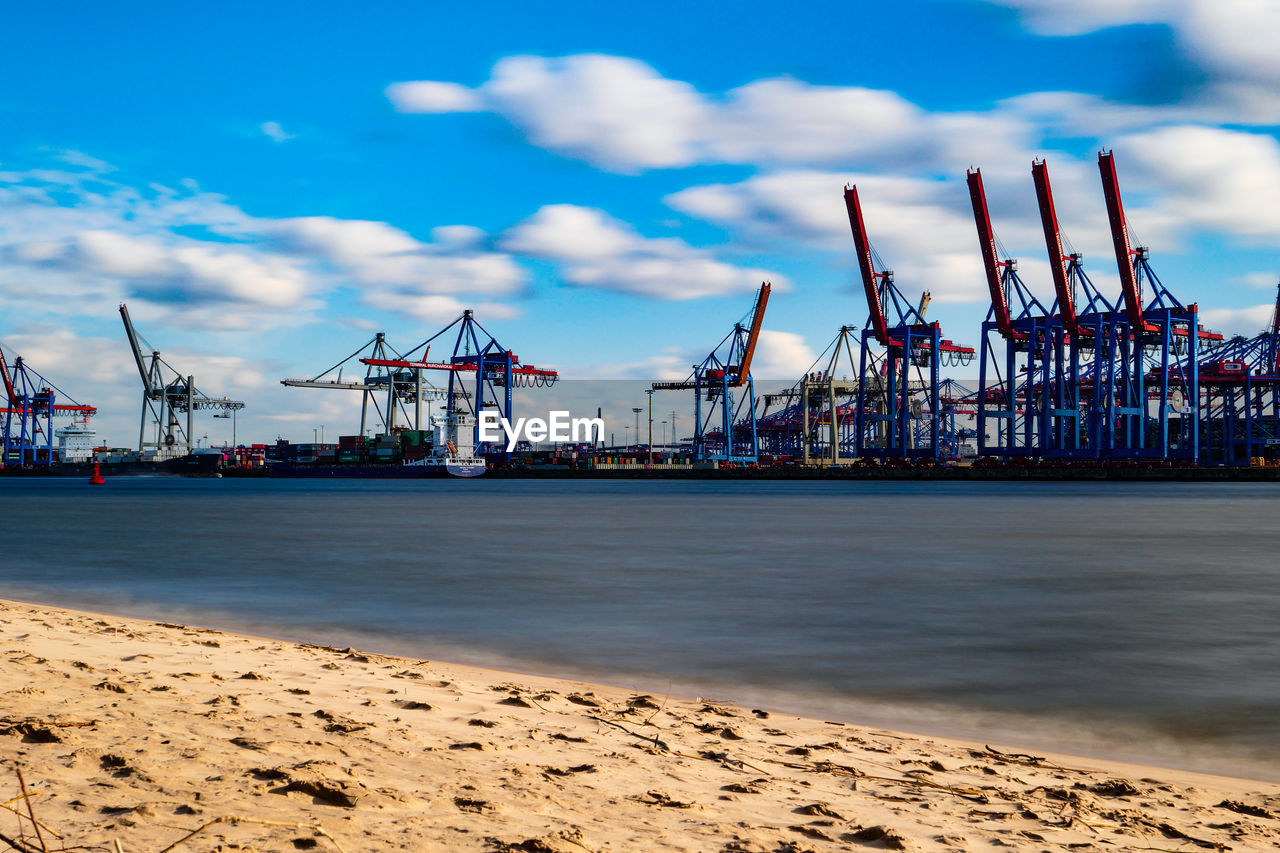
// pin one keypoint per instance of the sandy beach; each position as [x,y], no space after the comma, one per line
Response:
[139,733]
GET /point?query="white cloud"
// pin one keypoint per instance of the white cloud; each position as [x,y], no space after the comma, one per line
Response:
[1226,180]
[435,308]
[1260,279]
[1238,321]
[614,111]
[621,114]
[429,96]
[781,355]
[597,251]
[275,132]
[81,240]
[1234,38]
[920,228]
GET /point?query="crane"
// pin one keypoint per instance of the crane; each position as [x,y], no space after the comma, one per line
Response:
[886,401]
[497,371]
[402,386]
[1032,336]
[166,393]
[714,380]
[30,407]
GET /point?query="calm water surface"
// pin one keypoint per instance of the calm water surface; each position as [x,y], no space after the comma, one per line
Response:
[1135,619]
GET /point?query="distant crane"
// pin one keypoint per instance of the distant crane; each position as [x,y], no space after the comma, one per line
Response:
[715,380]
[166,393]
[402,387]
[497,370]
[31,406]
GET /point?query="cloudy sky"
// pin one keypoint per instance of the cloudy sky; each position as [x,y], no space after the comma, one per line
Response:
[266,185]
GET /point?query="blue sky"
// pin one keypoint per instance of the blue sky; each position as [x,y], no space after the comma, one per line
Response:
[267,184]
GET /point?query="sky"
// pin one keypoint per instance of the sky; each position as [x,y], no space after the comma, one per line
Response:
[267,185]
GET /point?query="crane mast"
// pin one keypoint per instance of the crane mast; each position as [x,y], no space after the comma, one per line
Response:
[863,247]
[990,259]
[1120,239]
[1053,243]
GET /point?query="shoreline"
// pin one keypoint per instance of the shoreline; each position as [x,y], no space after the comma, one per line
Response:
[192,722]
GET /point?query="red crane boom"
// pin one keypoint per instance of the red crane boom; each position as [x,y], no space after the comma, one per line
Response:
[1120,239]
[990,259]
[865,265]
[757,318]
[11,393]
[1053,242]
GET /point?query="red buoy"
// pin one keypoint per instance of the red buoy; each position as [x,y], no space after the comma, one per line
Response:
[96,479]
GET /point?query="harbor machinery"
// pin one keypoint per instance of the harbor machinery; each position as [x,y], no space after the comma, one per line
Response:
[900,356]
[31,404]
[166,394]
[482,372]
[724,396]
[401,390]
[1033,359]
[1240,398]
[1152,356]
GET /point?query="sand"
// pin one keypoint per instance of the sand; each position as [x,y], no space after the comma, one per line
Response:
[141,732]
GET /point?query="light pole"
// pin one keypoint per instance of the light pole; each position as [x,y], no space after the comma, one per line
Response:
[664,435]
[625,429]
[650,393]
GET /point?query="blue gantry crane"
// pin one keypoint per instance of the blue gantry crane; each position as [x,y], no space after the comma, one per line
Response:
[31,404]
[489,369]
[725,427]
[898,381]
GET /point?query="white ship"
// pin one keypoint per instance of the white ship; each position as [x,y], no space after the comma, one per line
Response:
[76,442]
[453,447]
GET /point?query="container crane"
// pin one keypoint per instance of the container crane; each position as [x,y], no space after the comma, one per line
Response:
[166,393]
[714,380]
[1000,395]
[1164,336]
[1240,398]
[31,404]
[402,387]
[497,370]
[886,402]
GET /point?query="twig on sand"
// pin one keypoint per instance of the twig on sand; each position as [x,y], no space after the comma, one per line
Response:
[318,830]
[653,740]
[648,719]
[9,808]
[22,783]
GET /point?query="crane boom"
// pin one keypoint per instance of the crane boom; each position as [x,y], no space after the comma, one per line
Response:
[1053,243]
[990,260]
[757,318]
[1275,332]
[11,393]
[1275,318]
[1120,238]
[137,351]
[863,247]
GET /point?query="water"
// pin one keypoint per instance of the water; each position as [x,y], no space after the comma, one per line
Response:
[1132,620]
